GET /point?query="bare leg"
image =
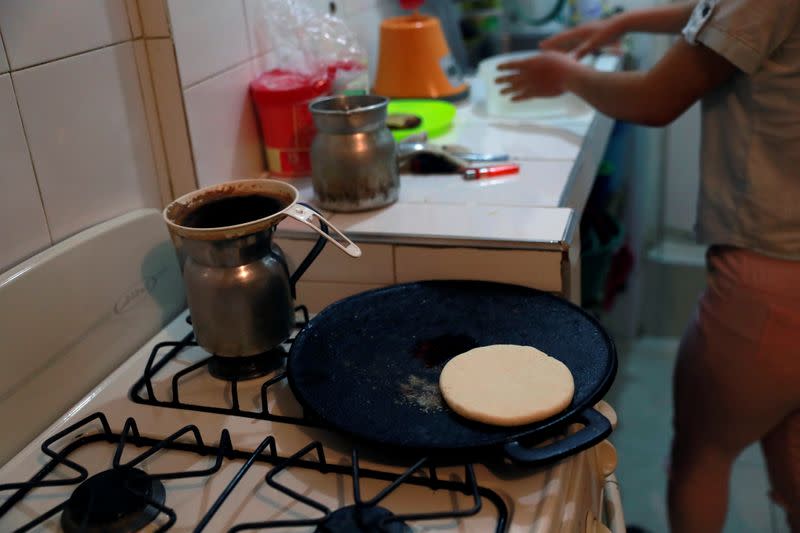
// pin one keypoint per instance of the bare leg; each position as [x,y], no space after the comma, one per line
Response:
[700,468]
[782,451]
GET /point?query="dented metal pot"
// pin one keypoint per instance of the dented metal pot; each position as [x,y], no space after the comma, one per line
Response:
[353,156]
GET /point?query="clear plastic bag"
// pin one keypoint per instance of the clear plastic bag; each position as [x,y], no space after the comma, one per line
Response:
[306,41]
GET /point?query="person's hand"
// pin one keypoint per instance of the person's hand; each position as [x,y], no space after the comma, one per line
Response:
[543,75]
[584,39]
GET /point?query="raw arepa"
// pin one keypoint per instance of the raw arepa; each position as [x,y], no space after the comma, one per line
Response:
[506,385]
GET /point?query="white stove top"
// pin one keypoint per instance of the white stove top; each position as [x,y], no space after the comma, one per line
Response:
[556,498]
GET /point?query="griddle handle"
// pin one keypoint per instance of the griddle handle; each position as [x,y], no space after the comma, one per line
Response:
[597,427]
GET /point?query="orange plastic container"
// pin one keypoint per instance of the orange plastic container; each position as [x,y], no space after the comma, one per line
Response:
[414,60]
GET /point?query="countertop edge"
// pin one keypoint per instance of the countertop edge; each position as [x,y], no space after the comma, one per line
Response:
[439,242]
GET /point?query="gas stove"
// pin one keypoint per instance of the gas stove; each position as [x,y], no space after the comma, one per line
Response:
[174,438]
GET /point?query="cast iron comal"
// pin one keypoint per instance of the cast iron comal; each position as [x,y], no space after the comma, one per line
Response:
[369,365]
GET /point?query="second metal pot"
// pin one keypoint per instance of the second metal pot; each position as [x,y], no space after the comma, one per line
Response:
[353,156]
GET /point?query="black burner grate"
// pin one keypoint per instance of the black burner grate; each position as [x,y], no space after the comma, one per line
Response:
[147,504]
[363,515]
[143,391]
[150,503]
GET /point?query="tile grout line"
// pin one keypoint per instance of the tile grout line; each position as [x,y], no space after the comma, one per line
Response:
[142,89]
[185,114]
[245,12]
[69,56]
[130,22]
[5,53]
[141,20]
[30,157]
[154,142]
[217,73]
[27,141]
[182,91]
[252,53]
[159,120]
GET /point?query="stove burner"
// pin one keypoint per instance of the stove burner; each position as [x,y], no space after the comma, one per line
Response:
[118,500]
[360,519]
[250,367]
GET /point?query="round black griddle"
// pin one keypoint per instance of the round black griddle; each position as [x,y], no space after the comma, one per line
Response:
[369,365]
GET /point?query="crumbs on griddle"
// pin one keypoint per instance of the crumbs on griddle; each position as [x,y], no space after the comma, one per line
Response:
[422,393]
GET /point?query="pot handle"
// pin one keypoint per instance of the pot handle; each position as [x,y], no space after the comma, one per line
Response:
[306,214]
[597,427]
[310,257]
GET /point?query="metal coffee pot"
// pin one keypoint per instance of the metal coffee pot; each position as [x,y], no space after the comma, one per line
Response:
[353,156]
[240,292]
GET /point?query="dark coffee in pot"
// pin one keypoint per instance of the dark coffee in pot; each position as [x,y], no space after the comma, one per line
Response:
[231,210]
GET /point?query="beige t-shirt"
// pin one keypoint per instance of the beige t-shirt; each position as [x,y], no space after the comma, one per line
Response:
[750,157]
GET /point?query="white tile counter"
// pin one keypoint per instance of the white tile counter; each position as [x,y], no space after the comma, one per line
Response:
[518,229]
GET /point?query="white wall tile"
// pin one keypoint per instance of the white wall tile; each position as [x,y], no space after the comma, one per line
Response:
[258,36]
[171,115]
[347,7]
[210,37]
[36,31]
[3,59]
[366,25]
[223,128]
[154,18]
[322,6]
[21,214]
[90,145]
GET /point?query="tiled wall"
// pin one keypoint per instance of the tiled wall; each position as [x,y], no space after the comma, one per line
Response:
[220,48]
[75,147]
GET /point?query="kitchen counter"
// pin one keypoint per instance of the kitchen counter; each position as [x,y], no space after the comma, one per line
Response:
[518,229]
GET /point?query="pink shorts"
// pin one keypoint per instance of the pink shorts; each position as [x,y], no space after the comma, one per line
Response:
[737,380]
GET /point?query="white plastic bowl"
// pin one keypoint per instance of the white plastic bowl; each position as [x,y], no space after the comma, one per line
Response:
[501,106]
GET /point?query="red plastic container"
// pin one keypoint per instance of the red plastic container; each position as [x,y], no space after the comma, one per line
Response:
[281,98]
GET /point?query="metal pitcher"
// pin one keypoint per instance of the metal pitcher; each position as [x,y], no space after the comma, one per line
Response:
[240,292]
[353,159]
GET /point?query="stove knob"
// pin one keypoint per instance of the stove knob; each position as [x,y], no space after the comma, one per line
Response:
[606,458]
[607,411]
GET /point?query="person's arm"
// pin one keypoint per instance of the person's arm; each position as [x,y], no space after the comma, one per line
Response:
[654,98]
[592,35]
[670,18]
